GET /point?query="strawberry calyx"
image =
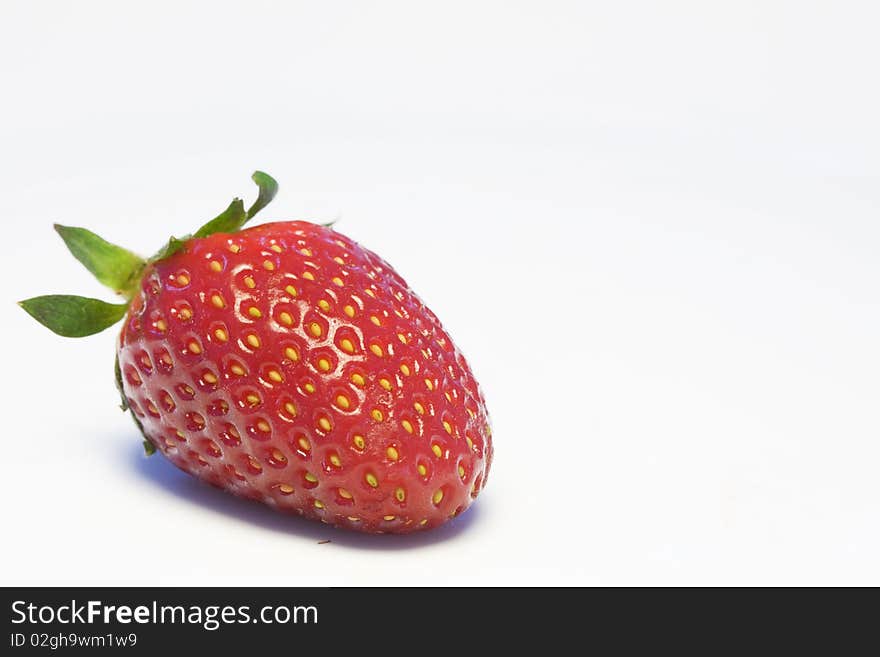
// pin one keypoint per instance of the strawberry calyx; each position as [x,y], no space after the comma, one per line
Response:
[120,269]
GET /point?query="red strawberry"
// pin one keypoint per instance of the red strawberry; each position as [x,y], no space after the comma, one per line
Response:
[288,364]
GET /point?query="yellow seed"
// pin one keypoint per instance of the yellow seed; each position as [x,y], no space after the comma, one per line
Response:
[401,337]
[337,281]
[342,402]
[309,388]
[323,364]
[335,461]
[185,314]
[429,384]
[304,443]
[448,427]
[315,329]
[438,495]
[323,305]
[461,472]
[392,453]
[349,310]
[209,377]
[235,248]
[249,282]
[437,451]
[254,312]
[275,376]
[376,349]
[306,252]
[470,443]
[344,494]
[370,293]
[276,248]
[424,522]
[448,396]
[358,441]
[377,415]
[291,409]
[252,399]
[194,347]
[183,279]
[400,494]
[291,354]
[268,265]
[215,265]
[161,325]
[375,320]
[422,469]
[263,426]
[218,301]
[290,290]
[253,341]
[346,345]
[319,504]
[221,335]
[309,276]
[236,369]
[358,380]
[354,518]
[285,318]
[371,479]
[471,413]
[419,408]
[324,423]
[385,383]
[338,260]
[404,368]
[166,358]
[309,477]
[407,425]
[286,489]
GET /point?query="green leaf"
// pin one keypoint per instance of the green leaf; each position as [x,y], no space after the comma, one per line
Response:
[268,189]
[228,221]
[117,268]
[72,316]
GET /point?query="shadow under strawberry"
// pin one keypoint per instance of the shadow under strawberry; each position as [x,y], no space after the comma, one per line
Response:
[162,474]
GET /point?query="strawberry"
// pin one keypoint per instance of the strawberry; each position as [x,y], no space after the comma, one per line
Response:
[288,364]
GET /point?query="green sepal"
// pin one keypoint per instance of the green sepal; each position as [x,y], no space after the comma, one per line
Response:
[118,372]
[149,447]
[234,217]
[228,221]
[73,316]
[268,189]
[172,246]
[116,267]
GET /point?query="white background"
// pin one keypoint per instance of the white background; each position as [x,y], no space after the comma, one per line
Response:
[653,227]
